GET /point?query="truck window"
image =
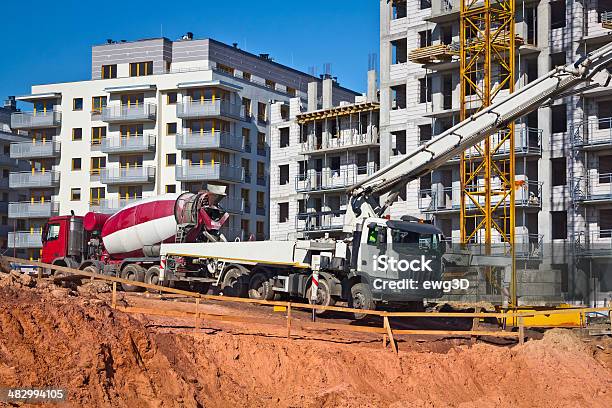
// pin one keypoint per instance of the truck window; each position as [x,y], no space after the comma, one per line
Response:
[53,232]
[377,235]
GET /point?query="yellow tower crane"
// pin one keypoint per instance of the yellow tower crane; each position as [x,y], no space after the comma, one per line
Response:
[487,52]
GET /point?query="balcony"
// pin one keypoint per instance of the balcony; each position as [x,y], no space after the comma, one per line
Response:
[594,188]
[31,209]
[594,243]
[331,144]
[528,194]
[209,172]
[208,109]
[127,175]
[260,211]
[111,206]
[208,140]
[25,239]
[329,180]
[593,134]
[34,179]
[35,149]
[129,113]
[434,53]
[128,144]
[233,205]
[321,221]
[36,120]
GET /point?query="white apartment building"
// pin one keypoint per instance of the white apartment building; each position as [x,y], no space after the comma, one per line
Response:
[157,116]
[563,152]
[317,153]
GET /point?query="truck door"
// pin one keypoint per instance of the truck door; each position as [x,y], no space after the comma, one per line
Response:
[54,241]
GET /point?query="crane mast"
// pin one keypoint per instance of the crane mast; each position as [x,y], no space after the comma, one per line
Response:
[372,196]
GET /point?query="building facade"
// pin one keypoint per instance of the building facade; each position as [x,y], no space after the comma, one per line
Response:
[563,151]
[158,116]
[324,148]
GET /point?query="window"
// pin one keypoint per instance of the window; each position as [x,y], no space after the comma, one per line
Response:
[283,212]
[302,169]
[425,90]
[424,38]
[283,171]
[246,165]
[246,194]
[132,99]
[334,166]
[262,115]
[362,163]
[260,199]
[291,91]
[77,104]
[425,4]
[171,128]
[399,51]
[171,98]
[399,9]
[559,171]
[109,71]
[97,134]
[532,69]
[399,142]
[261,170]
[246,137]
[559,113]
[246,105]
[604,169]
[77,134]
[259,231]
[270,84]
[225,68]
[97,163]
[7,149]
[284,112]
[141,68]
[96,195]
[398,97]
[425,133]
[604,114]
[446,34]
[557,14]
[557,59]
[261,139]
[170,188]
[246,76]
[53,232]
[75,194]
[170,159]
[284,137]
[76,163]
[302,206]
[559,224]
[97,104]
[605,223]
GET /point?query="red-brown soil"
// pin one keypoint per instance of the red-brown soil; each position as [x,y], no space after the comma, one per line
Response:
[105,358]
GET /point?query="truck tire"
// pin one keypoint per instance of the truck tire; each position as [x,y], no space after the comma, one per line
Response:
[91,269]
[233,283]
[361,298]
[135,273]
[324,297]
[260,287]
[152,275]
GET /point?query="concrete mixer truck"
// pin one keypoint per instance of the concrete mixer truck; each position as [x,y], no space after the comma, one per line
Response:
[126,244]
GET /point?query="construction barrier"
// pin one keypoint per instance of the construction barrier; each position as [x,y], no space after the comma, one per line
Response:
[386,331]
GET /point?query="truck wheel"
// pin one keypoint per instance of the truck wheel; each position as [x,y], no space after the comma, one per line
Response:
[324,297]
[152,275]
[233,283]
[91,269]
[361,298]
[260,287]
[135,273]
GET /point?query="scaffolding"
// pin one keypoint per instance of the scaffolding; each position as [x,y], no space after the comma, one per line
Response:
[487,58]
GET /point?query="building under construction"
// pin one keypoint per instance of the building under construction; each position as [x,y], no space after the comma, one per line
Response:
[560,183]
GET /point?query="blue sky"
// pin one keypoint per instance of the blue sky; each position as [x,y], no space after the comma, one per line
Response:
[49,41]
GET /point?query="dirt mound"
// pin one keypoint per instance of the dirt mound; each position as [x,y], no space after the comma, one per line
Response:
[106,358]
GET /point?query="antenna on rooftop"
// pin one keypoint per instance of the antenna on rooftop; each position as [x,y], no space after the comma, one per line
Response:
[312,71]
[373,62]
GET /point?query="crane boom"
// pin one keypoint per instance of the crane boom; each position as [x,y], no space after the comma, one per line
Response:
[366,196]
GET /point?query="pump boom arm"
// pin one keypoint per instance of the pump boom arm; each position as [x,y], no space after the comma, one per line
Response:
[372,196]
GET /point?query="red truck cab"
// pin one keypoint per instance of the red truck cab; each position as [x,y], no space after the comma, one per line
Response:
[63,238]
